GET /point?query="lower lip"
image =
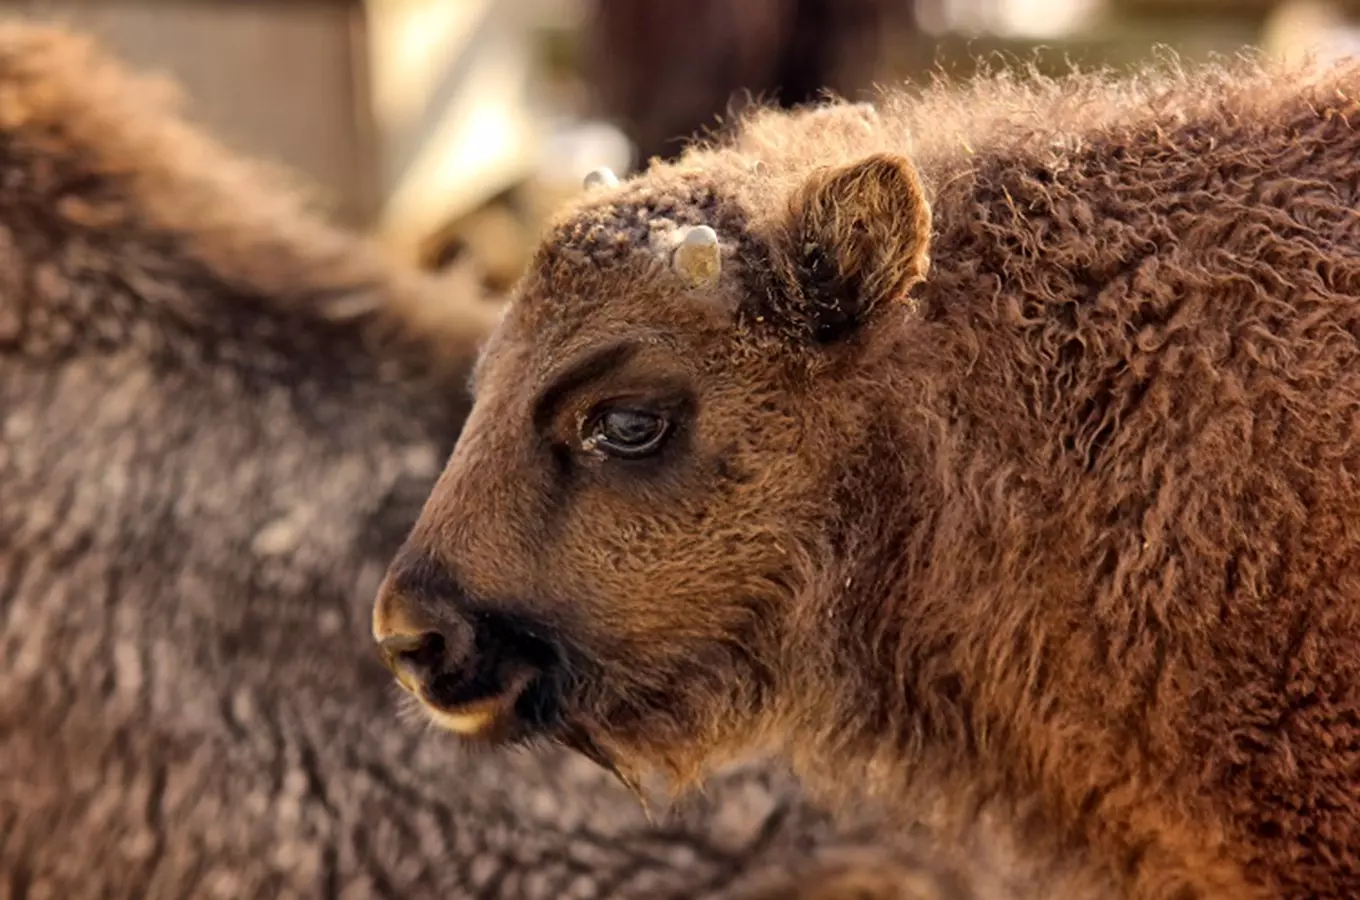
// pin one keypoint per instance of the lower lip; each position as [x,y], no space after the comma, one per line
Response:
[467,723]
[480,716]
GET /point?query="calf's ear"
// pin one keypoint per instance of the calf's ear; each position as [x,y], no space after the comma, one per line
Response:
[855,241]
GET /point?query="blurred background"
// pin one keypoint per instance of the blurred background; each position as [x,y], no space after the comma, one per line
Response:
[450,128]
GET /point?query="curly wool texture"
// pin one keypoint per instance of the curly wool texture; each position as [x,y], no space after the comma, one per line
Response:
[1130,384]
[1090,546]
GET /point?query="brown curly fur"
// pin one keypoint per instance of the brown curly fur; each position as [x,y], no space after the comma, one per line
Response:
[1068,533]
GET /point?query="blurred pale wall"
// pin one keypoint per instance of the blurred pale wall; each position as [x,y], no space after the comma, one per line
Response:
[401,113]
[280,79]
[451,103]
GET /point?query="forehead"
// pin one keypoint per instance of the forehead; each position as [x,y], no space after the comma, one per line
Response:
[603,271]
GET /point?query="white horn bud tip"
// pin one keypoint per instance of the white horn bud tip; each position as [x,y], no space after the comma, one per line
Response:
[601,177]
[699,257]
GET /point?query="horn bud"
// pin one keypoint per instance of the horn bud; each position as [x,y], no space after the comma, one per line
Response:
[698,257]
[601,177]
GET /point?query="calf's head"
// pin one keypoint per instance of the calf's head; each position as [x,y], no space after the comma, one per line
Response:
[614,553]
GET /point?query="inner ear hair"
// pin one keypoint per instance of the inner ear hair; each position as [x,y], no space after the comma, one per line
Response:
[857,240]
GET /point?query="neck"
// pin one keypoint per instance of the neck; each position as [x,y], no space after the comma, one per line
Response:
[892,692]
[936,693]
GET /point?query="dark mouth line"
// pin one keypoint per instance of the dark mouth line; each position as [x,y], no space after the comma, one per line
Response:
[522,705]
[535,713]
[504,658]
[451,692]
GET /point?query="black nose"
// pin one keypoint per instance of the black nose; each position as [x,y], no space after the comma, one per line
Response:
[417,622]
[415,658]
[450,652]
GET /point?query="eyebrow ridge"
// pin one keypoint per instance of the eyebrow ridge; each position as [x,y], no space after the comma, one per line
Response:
[579,371]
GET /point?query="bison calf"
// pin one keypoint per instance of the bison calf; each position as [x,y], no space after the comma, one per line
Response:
[996,449]
[218,419]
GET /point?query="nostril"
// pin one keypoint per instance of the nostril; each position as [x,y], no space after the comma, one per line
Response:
[419,656]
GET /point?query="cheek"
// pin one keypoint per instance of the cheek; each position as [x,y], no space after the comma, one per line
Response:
[698,549]
[643,577]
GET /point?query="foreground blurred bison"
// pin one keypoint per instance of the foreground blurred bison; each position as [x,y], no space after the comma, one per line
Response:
[218,419]
[996,451]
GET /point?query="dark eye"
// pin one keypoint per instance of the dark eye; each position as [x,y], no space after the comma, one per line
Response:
[626,433]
